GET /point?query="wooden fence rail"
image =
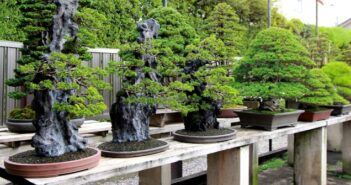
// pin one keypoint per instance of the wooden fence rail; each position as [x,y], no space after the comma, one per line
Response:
[10,52]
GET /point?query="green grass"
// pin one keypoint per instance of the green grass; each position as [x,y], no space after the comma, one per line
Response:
[274,163]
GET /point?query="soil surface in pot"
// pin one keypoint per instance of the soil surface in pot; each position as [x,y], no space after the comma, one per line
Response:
[209,132]
[30,157]
[131,146]
[270,112]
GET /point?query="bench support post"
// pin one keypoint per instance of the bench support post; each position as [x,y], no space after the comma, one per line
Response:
[346,148]
[229,167]
[291,150]
[156,176]
[253,164]
[310,157]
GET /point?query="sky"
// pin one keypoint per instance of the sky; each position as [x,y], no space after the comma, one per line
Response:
[332,13]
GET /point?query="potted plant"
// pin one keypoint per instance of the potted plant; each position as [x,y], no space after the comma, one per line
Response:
[274,69]
[340,75]
[321,93]
[201,92]
[20,120]
[136,102]
[61,84]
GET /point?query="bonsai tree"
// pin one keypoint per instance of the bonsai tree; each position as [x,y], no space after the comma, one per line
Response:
[38,17]
[204,86]
[274,68]
[340,75]
[59,79]
[321,90]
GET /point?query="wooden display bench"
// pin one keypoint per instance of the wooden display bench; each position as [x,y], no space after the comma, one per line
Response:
[233,162]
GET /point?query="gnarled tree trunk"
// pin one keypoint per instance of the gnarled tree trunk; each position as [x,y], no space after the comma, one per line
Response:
[54,134]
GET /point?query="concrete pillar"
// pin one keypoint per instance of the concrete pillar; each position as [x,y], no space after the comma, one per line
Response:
[253,164]
[156,176]
[346,147]
[335,137]
[229,167]
[310,157]
[291,150]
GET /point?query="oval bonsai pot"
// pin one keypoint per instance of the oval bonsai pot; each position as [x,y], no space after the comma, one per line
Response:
[249,118]
[227,113]
[204,139]
[52,169]
[310,116]
[339,109]
[26,125]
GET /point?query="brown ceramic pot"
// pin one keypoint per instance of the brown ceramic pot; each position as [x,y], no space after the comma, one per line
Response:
[52,169]
[227,113]
[310,116]
[204,139]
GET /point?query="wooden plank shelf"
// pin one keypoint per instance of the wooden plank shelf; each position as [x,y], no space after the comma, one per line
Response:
[236,149]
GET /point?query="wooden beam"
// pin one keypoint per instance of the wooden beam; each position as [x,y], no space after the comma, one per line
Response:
[310,157]
[229,167]
[156,176]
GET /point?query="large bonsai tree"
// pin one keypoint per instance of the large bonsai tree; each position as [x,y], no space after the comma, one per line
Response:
[60,81]
[275,67]
[321,90]
[204,86]
[340,74]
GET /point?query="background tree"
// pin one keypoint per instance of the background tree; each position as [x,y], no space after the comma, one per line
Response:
[275,67]
[340,74]
[345,54]
[224,24]
[10,18]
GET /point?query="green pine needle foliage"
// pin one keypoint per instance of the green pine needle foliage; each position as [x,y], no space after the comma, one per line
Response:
[321,89]
[275,66]
[340,74]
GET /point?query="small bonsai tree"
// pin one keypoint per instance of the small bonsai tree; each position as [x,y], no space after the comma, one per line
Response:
[274,68]
[204,86]
[60,81]
[340,75]
[321,90]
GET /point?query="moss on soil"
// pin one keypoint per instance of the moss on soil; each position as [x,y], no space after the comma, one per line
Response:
[209,132]
[31,157]
[131,146]
[316,109]
[270,112]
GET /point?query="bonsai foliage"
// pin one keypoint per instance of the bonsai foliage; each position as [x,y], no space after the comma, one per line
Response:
[224,23]
[274,68]
[346,54]
[25,113]
[321,89]
[37,18]
[204,86]
[340,74]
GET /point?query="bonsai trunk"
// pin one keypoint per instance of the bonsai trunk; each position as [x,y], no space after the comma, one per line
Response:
[202,119]
[54,134]
[271,104]
[130,122]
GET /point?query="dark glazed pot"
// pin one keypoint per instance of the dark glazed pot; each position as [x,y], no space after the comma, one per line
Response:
[26,125]
[339,109]
[268,121]
[52,169]
[310,116]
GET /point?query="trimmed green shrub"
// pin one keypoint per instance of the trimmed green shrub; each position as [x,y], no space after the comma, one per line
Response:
[24,113]
[340,74]
[275,67]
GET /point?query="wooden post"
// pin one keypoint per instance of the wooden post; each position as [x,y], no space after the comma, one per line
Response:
[156,176]
[310,157]
[346,148]
[291,150]
[253,164]
[229,167]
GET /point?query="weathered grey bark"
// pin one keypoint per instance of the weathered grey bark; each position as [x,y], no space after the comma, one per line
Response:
[130,122]
[55,135]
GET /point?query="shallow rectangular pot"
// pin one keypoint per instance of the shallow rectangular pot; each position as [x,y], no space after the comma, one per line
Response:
[268,121]
[339,109]
[310,116]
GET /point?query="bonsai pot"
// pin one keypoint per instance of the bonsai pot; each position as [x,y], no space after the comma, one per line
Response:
[339,109]
[107,151]
[26,125]
[190,138]
[249,118]
[227,113]
[52,169]
[311,116]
